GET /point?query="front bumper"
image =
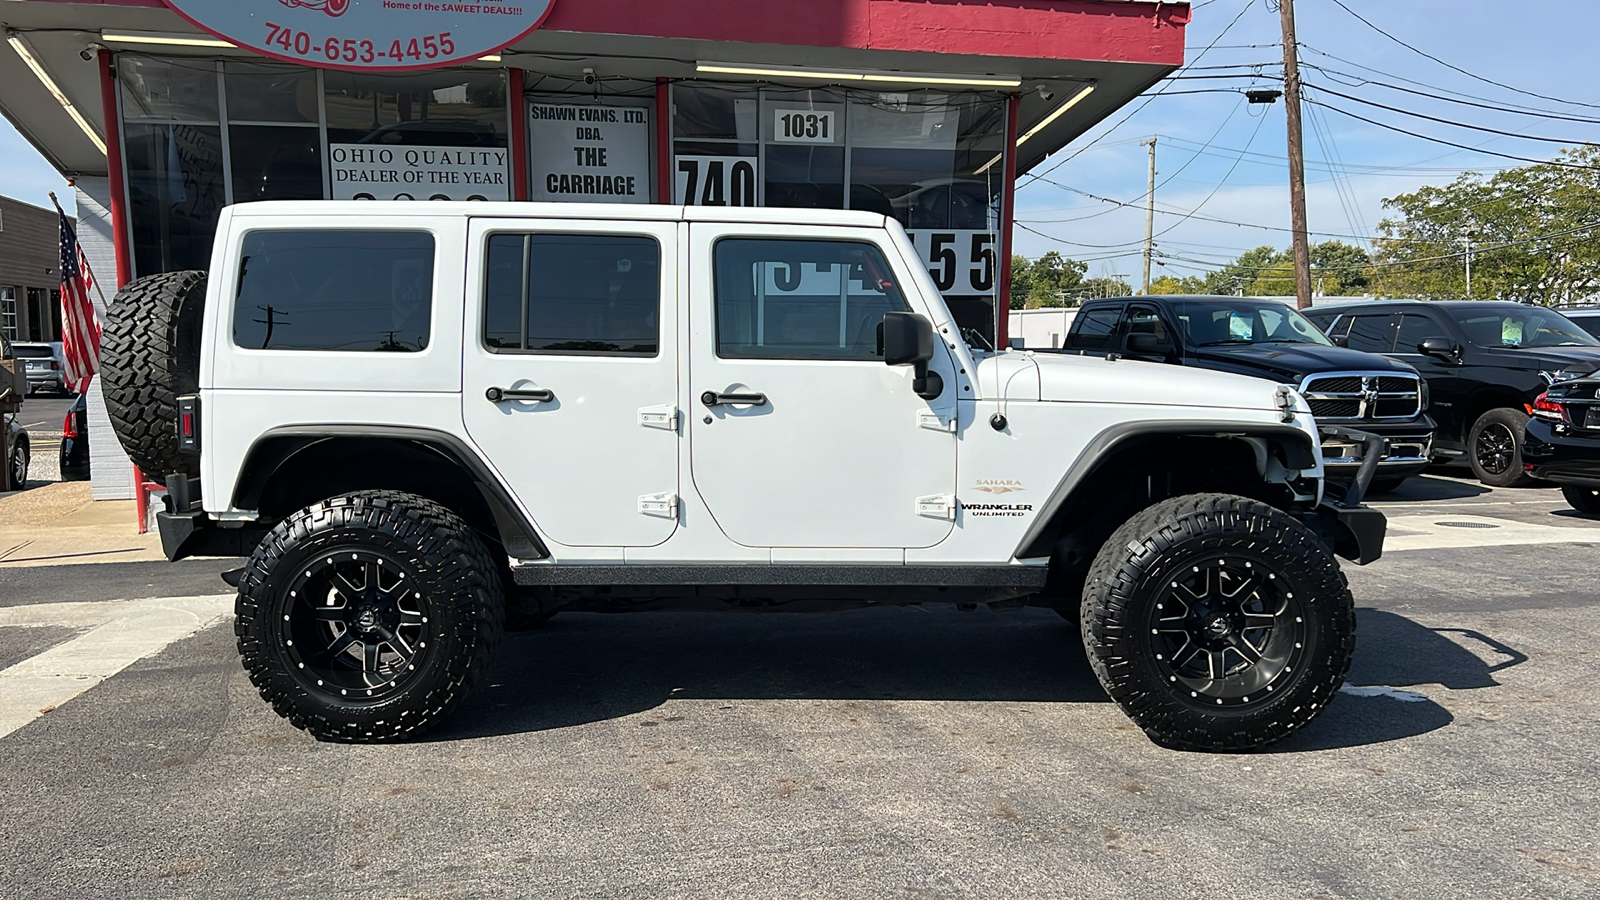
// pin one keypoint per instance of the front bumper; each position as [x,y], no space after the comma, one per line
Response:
[1351,530]
[1407,451]
[1567,456]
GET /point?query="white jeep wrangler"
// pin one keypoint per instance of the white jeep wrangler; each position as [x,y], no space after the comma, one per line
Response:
[422,420]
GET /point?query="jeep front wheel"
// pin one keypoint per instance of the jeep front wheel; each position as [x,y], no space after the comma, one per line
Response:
[368,617]
[1217,623]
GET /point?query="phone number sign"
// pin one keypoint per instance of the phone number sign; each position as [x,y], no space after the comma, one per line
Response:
[368,35]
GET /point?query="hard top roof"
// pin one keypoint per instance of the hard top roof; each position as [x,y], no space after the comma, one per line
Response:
[634,212]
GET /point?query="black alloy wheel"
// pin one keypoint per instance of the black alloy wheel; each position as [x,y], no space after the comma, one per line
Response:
[368,617]
[1231,630]
[20,458]
[1217,622]
[354,624]
[1494,448]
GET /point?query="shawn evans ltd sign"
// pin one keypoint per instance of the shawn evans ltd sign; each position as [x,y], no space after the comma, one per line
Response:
[368,35]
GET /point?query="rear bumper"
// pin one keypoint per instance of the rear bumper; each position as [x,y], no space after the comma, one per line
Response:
[1563,458]
[187,531]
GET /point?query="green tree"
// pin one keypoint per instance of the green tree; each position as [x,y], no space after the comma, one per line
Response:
[1531,229]
[1172,284]
[1045,282]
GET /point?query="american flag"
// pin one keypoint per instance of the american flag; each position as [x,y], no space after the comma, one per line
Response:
[80,330]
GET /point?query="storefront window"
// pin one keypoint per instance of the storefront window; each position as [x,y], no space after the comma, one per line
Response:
[931,160]
[176,194]
[8,312]
[168,90]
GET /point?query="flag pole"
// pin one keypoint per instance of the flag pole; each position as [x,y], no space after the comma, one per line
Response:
[81,260]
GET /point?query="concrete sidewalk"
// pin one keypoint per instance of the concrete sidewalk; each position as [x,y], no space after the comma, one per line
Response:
[59,524]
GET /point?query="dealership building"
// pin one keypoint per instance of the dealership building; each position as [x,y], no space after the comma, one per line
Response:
[929,111]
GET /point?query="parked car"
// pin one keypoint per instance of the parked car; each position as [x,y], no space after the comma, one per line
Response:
[601,438]
[15,453]
[1587,317]
[75,442]
[1562,443]
[1485,362]
[44,370]
[1268,339]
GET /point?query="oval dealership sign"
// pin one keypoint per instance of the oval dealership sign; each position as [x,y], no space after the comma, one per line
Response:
[368,35]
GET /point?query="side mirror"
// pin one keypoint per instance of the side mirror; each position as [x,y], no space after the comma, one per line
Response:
[1146,344]
[908,341]
[1442,349]
[1340,340]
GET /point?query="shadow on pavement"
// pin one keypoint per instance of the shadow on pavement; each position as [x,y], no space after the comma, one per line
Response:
[1394,652]
[586,667]
[1437,485]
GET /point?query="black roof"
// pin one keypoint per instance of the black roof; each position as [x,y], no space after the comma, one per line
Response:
[1404,303]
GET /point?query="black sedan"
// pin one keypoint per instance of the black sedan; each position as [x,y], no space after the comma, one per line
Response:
[1563,441]
[75,442]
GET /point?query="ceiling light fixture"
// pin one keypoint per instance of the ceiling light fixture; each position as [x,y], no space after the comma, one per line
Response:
[875,76]
[24,51]
[1054,115]
[164,39]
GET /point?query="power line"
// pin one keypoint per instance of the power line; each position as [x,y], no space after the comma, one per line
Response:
[1456,68]
[1396,128]
[1334,74]
[1190,214]
[1412,81]
[1483,128]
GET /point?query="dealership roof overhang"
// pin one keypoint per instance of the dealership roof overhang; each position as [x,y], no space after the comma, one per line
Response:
[1122,47]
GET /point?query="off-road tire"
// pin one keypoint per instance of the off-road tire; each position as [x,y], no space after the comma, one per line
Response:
[1506,426]
[457,590]
[149,357]
[1136,574]
[1581,498]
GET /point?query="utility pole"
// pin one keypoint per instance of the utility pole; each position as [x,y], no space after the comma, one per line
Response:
[1150,217]
[1467,233]
[1297,157]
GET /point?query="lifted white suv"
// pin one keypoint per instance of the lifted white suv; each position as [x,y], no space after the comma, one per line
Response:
[420,420]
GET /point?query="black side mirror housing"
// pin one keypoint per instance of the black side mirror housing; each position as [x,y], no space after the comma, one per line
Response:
[908,341]
[1442,349]
[1146,344]
[1340,340]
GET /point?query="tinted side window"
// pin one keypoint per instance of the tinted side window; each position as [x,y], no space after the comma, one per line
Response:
[801,299]
[1590,324]
[1145,320]
[1374,334]
[335,290]
[573,293]
[1093,329]
[1321,320]
[1414,329]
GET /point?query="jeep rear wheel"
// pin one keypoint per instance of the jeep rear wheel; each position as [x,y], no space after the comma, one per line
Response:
[1217,623]
[149,357]
[368,617]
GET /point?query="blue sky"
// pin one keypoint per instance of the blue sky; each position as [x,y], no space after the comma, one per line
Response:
[1544,47]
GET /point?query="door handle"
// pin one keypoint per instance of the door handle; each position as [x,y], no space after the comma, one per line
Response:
[535,395]
[752,398]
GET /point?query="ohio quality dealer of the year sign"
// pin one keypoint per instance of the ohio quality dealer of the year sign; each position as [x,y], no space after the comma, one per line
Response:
[368,35]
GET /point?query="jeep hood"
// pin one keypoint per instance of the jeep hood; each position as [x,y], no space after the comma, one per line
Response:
[1091,379]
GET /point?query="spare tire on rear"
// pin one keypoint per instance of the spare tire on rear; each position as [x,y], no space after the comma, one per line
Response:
[150,356]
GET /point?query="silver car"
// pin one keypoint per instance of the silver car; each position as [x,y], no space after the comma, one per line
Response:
[44,369]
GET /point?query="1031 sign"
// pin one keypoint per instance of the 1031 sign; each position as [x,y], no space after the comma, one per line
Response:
[960,261]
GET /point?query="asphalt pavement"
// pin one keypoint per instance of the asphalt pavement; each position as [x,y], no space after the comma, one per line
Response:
[912,752]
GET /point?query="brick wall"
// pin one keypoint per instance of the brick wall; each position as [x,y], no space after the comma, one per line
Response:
[111,472]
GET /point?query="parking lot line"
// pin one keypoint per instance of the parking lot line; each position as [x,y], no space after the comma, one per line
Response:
[121,633]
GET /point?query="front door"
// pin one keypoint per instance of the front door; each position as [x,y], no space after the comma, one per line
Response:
[800,435]
[571,380]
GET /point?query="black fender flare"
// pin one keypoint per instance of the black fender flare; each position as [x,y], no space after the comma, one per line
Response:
[1299,450]
[277,447]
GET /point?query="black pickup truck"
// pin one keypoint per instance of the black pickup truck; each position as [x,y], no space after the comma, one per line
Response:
[1486,362]
[1268,339]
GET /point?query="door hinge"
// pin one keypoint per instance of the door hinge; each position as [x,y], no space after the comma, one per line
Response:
[927,418]
[663,506]
[938,506]
[663,417]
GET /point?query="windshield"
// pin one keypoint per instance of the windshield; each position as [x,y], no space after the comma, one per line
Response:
[1531,326]
[1208,323]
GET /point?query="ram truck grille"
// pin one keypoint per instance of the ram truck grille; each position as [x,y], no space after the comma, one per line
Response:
[1363,397]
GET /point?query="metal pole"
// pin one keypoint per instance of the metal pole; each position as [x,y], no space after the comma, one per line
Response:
[1466,235]
[1150,217]
[1297,159]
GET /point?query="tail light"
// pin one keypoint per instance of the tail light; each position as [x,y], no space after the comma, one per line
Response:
[69,426]
[189,423]
[55,366]
[1551,410]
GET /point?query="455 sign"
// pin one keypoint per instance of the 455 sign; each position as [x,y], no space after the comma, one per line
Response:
[368,35]
[960,261]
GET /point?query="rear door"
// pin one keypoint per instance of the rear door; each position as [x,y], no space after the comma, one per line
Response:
[570,366]
[820,444]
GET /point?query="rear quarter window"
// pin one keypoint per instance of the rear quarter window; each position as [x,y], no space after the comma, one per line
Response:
[335,290]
